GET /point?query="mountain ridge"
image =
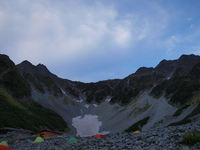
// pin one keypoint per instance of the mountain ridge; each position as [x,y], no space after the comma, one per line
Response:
[130,86]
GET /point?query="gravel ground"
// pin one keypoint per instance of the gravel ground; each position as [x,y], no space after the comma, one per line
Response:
[167,138]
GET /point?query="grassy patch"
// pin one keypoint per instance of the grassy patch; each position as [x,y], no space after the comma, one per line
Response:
[16,84]
[10,99]
[180,110]
[129,104]
[45,117]
[180,88]
[73,103]
[141,110]
[66,100]
[27,115]
[135,126]
[132,102]
[191,138]
[187,118]
[51,98]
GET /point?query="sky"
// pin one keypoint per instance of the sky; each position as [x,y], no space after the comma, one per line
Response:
[93,40]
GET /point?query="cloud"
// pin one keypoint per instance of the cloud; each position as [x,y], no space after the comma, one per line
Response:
[50,32]
[172,41]
[52,35]
[92,36]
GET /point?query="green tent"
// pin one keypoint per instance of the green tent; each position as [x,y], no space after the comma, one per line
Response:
[59,136]
[38,140]
[71,140]
[4,143]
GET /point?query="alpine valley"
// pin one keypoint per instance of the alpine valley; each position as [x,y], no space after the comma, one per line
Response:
[33,98]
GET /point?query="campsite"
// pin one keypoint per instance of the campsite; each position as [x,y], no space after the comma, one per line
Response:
[166,139]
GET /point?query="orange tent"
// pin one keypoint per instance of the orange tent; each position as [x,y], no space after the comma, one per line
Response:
[45,134]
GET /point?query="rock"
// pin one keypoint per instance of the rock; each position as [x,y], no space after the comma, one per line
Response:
[167,138]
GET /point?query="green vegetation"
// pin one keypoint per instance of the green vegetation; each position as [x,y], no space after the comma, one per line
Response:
[180,88]
[191,138]
[129,104]
[16,84]
[141,110]
[51,98]
[185,91]
[180,110]
[10,99]
[187,118]
[135,126]
[66,100]
[5,63]
[27,115]
[73,103]
[132,102]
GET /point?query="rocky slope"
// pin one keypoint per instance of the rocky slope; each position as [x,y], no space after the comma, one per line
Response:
[168,138]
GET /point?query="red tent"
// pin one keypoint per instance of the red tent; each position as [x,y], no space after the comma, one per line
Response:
[99,136]
[103,137]
[2,147]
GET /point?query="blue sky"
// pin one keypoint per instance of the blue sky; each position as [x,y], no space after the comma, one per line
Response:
[92,40]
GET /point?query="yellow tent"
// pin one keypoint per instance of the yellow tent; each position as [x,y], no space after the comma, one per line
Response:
[136,132]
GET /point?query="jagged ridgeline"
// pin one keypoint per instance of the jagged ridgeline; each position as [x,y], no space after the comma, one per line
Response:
[168,78]
[17,108]
[177,80]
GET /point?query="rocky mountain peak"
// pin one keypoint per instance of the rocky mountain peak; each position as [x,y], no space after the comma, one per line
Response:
[188,59]
[26,66]
[26,63]
[166,66]
[42,68]
[144,71]
[5,63]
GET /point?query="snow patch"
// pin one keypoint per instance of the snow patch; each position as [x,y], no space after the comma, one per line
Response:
[79,101]
[88,125]
[87,106]
[95,105]
[168,77]
[108,99]
[63,91]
